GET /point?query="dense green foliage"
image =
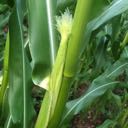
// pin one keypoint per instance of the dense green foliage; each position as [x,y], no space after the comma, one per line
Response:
[34,52]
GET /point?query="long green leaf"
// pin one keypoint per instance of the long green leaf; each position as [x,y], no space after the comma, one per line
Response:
[116,8]
[20,102]
[98,88]
[42,36]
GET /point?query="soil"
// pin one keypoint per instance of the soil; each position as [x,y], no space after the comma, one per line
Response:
[87,122]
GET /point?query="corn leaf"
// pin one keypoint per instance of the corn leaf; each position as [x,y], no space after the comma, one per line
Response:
[116,8]
[20,102]
[42,37]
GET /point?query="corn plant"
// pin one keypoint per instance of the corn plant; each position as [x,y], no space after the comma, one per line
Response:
[68,42]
